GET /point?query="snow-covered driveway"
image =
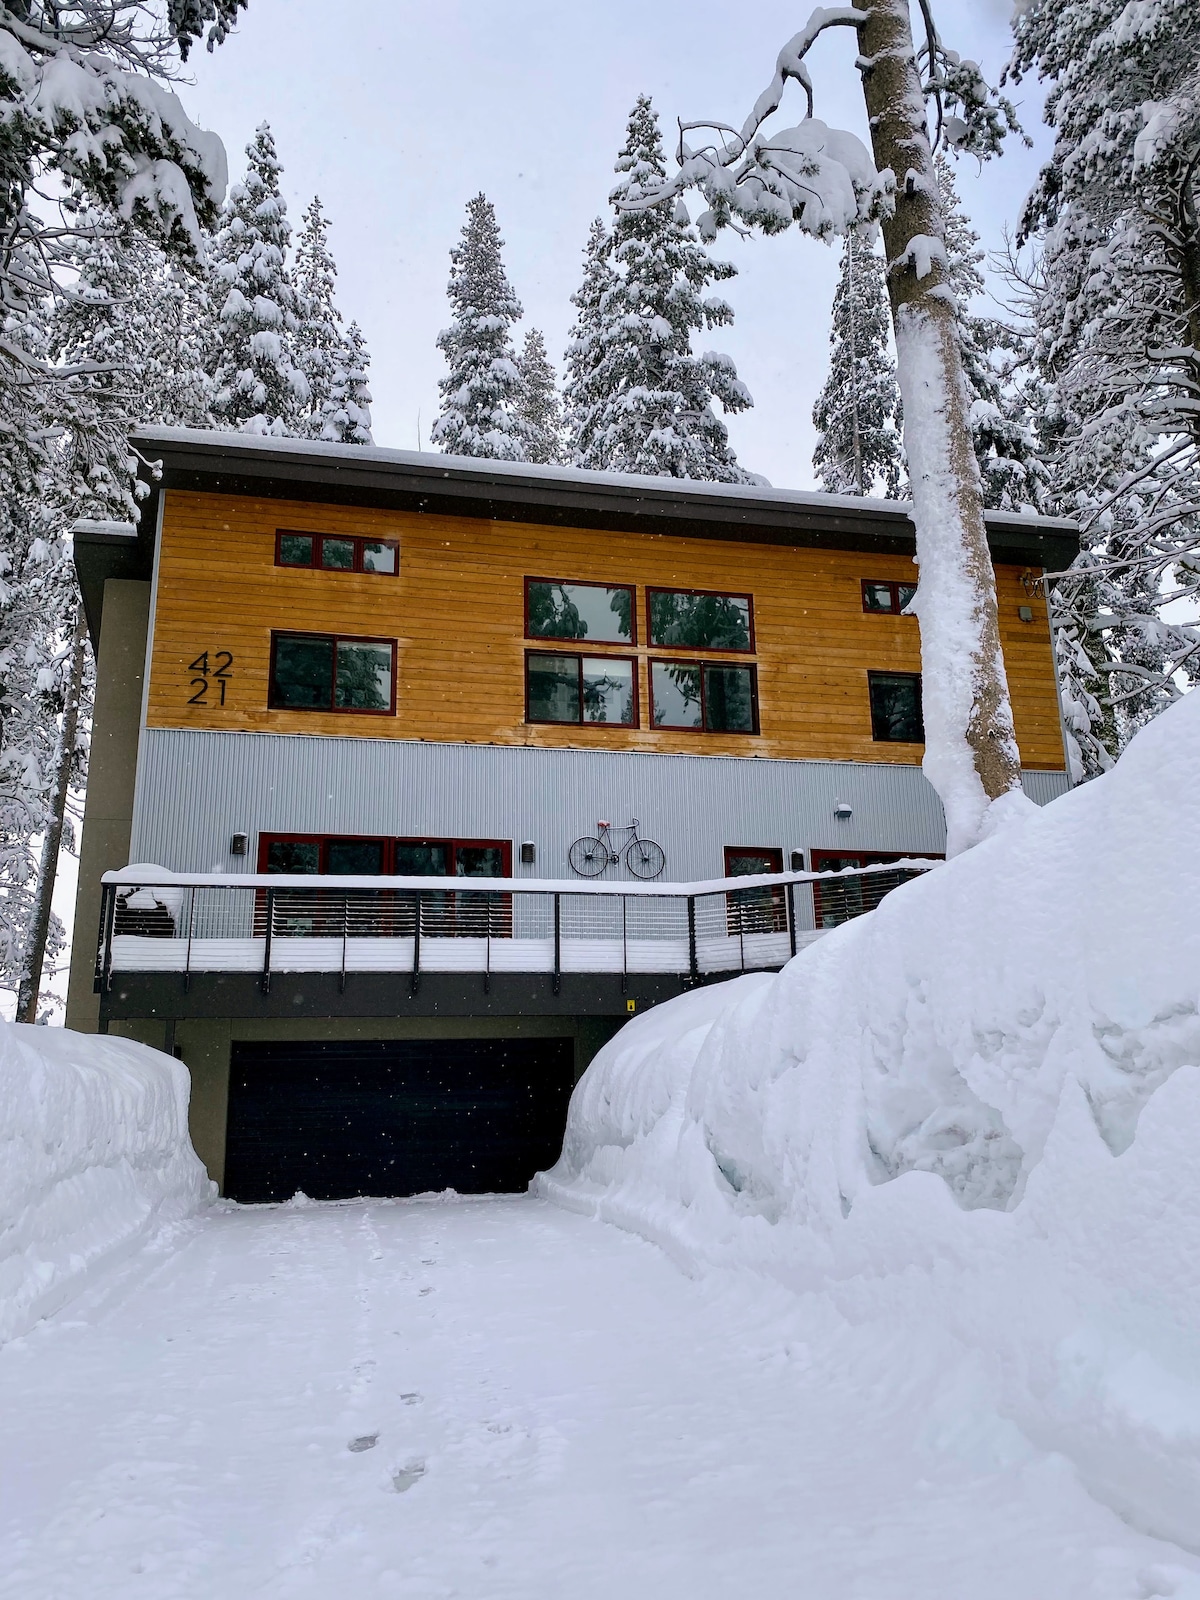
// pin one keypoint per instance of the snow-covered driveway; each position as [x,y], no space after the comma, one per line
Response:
[556,1411]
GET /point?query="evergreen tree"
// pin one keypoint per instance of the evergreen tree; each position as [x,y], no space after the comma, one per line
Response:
[857,414]
[1115,318]
[539,406]
[333,359]
[639,399]
[585,379]
[480,414]
[258,384]
[1009,469]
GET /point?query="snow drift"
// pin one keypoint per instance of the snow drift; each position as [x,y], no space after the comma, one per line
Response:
[94,1155]
[974,1113]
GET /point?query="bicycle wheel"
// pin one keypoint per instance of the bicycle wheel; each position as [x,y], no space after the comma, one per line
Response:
[588,857]
[644,858]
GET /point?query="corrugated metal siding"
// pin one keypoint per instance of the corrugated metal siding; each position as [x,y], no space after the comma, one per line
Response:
[195,790]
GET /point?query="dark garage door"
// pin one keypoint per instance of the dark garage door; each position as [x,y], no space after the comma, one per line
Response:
[394,1117]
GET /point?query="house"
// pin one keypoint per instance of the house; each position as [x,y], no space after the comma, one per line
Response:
[360,717]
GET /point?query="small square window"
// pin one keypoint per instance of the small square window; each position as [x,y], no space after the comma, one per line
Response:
[378,556]
[677,695]
[896,707]
[338,554]
[881,595]
[295,549]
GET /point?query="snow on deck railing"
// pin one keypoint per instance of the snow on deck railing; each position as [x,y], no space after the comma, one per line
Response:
[154,920]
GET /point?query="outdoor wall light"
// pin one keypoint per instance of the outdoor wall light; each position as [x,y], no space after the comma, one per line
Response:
[797,860]
[528,853]
[237,845]
[1025,613]
[843,810]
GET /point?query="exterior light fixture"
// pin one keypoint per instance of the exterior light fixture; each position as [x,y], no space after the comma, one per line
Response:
[843,810]
[528,853]
[1025,613]
[237,845]
[797,860]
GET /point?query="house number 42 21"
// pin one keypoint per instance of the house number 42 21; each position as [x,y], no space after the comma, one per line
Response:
[213,671]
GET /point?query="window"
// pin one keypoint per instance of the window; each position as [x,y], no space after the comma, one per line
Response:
[896,707]
[336,552]
[754,910]
[579,689]
[320,672]
[690,619]
[881,595]
[704,696]
[335,855]
[591,611]
[835,903]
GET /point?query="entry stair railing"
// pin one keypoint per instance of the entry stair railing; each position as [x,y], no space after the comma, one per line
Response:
[153,920]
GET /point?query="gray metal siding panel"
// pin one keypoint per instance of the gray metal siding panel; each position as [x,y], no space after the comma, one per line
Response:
[195,790]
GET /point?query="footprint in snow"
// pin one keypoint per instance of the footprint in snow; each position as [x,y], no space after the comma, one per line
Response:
[404,1477]
[412,1399]
[426,1291]
[365,1441]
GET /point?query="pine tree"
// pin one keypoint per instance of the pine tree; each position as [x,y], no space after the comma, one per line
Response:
[258,384]
[857,414]
[539,406]
[585,377]
[639,399]
[480,413]
[333,358]
[1009,469]
[1115,317]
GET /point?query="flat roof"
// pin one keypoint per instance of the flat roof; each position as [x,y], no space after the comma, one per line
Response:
[365,475]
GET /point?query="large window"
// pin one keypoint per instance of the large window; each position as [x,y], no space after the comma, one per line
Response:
[691,619]
[704,696]
[754,910]
[592,611]
[840,900]
[339,854]
[336,552]
[321,672]
[896,707]
[580,689]
[880,595]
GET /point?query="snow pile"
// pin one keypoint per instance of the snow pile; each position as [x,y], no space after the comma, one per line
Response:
[94,1154]
[973,1115]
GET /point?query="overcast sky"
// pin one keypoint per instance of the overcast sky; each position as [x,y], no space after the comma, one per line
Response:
[395,113]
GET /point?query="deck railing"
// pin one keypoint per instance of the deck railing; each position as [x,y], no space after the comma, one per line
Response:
[157,921]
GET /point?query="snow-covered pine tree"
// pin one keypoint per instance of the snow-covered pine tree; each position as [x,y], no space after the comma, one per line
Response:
[332,357]
[1009,468]
[823,180]
[583,386]
[857,413]
[480,410]
[539,406]
[642,401]
[257,382]
[1115,306]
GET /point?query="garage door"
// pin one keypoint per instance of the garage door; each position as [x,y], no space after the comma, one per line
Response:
[394,1117]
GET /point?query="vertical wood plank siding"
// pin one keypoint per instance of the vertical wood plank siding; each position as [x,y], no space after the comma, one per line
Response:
[457,612]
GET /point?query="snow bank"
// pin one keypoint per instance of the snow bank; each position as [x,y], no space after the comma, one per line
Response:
[94,1154]
[974,1113]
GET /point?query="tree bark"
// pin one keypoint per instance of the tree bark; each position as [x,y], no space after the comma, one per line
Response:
[971,751]
[31,984]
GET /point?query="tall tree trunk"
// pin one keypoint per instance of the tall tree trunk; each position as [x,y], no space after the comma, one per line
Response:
[971,755]
[31,984]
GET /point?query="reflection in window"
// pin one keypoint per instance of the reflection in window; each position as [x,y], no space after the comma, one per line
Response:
[881,595]
[292,855]
[310,672]
[713,698]
[580,689]
[349,857]
[422,860]
[295,549]
[699,621]
[896,707]
[579,611]
[378,557]
[336,552]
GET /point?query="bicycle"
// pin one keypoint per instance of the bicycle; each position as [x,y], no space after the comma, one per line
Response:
[589,857]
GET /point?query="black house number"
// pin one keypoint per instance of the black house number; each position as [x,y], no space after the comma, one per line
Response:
[212,671]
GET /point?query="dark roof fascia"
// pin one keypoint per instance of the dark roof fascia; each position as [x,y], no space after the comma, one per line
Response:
[100,556]
[219,467]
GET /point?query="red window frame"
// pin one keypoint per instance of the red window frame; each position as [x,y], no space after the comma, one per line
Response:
[389,841]
[718,733]
[895,585]
[316,535]
[586,583]
[822,861]
[578,655]
[336,710]
[756,910]
[879,673]
[715,594]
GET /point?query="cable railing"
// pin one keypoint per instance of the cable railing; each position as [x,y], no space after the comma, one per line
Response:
[154,921]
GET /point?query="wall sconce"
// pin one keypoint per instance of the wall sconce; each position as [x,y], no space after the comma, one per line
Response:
[528,853]
[1025,613]
[843,810]
[797,860]
[237,845]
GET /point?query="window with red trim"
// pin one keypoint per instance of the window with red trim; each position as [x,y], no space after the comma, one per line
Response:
[337,552]
[330,672]
[883,597]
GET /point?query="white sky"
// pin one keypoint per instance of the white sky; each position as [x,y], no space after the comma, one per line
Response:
[399,116]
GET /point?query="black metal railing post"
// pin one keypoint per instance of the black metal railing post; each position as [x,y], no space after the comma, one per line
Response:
[187,965]
[266,972]
[693,961]
[418,901]
[108,900]
[789,905]
[557,984]
[345,935]
[487,960]
[624,945]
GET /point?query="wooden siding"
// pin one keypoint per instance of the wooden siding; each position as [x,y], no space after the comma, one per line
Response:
[457,613]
